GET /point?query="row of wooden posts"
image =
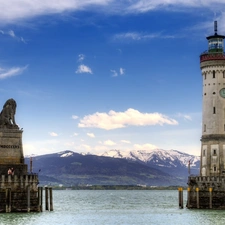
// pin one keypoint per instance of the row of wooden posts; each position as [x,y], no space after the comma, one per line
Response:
[48,199]
[181,202]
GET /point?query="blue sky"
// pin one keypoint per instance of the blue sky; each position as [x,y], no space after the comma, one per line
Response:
[95,75]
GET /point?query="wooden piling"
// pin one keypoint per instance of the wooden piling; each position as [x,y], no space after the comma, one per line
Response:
[39,200]
[28,198]
[8,199]
[197,197]
[180,196]
[179,200]
[210,198]
[51,199]
[188,197]
[40,194]
[46,198]
[182,201]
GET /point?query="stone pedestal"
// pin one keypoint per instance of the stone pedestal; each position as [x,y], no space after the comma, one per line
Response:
[11,151]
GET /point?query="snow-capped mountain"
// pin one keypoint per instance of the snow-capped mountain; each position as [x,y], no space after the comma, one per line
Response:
[156,156]
[156,167]
[173,160]
[71,168]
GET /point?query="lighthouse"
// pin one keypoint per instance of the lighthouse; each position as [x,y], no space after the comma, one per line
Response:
[212,63]
[208,189]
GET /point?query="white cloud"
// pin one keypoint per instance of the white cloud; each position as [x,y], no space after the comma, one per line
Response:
[74,117]
[185,116]
[122,71]
[19,10]
[135,36]
[83,69]
[98,149]
[114,73]
[81,57]
[125,141]
[12,34]
[53,134]
[28,148]
[85,147]
[90,135]
[75,134]
[22,39]
[144,147]
[129,35]
[131,117]
[69,144]
[109,143]
[5,73]
[144,6]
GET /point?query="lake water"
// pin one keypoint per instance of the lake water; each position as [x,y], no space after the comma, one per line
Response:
[117,207]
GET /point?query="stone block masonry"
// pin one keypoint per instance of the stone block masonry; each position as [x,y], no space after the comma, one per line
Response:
[206,192]
[19,193]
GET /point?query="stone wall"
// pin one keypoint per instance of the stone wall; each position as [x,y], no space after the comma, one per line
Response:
[206,192]
[11,148]
[19,193]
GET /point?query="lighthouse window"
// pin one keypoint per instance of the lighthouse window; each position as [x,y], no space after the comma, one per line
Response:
[203,152]
[214,168]
[214,110]
[214,151]
[224,74]
[205,76]
[214,73]
[204,127]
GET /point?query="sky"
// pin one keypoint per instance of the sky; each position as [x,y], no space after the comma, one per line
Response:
[95,75]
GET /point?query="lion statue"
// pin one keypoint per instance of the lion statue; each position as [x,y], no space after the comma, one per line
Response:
[7,115]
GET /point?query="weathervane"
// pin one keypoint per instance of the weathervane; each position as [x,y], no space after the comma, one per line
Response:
[215,27]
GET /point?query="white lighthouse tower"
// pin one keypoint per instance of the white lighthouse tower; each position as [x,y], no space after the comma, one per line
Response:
[208,189]
[212,63]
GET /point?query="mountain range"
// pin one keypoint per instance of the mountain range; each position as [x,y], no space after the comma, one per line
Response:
[153,168]
[171,161]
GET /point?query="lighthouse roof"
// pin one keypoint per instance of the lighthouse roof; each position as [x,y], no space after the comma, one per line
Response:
[215,36]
